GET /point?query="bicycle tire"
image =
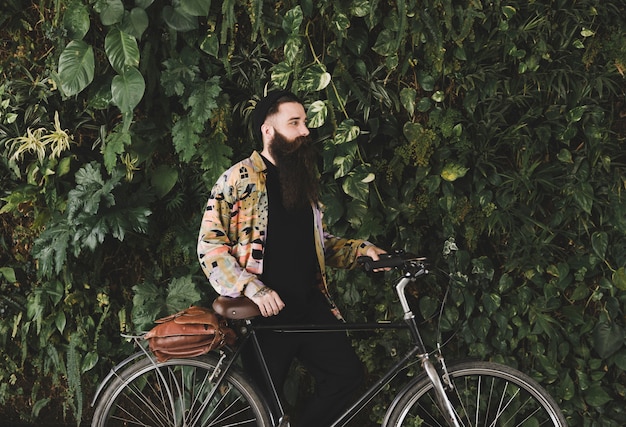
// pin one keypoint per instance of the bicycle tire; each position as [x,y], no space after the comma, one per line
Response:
[170,394]
[485,394]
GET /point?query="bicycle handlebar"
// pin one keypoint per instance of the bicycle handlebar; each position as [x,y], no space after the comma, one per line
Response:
[396,259]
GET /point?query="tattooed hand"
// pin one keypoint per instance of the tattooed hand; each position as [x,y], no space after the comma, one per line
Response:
[268,301]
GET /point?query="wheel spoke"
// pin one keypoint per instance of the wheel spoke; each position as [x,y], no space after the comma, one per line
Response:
[483,395]
[179,393]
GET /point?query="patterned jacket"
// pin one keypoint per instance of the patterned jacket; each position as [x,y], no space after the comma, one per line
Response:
[234,227]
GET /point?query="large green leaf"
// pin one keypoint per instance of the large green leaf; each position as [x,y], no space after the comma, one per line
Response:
[76,20]
[316,114]
[196,7]
[281,73]
[76,67]
[178,19]
[385,43]
[292,20]
[135,23]
[163,179]
[127,89]
[608,337]
[111,11]
[599,243]
[347,131]
[315,78]
[121,49]
[356,184]
[181,293]
[407,97]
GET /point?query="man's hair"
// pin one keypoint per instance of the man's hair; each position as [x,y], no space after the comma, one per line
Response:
[289,97]
[268,106]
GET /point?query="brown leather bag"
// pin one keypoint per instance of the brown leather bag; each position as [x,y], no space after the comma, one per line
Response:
[188,333]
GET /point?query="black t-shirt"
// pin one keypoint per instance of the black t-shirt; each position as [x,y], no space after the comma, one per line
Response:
[289,261]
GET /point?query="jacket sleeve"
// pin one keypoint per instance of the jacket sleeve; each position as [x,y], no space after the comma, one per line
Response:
[215,244]
[343,253]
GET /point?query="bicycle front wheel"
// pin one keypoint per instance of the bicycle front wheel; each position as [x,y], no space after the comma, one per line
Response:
[177,393]
[484,394]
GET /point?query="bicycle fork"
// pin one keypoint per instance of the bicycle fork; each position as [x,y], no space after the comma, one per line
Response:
[445,406]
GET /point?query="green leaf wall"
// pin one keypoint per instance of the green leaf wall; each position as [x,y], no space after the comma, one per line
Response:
[485,135]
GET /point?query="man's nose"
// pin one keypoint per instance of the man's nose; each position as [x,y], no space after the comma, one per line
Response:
[304,131]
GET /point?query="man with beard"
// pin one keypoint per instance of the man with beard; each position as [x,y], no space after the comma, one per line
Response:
[262,237]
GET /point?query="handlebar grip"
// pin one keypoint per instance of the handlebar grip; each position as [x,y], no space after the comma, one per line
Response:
[388,261]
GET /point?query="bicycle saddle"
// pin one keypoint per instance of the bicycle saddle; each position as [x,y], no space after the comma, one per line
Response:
[235,308]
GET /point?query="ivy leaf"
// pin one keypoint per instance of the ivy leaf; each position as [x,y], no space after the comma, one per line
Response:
[407,98]
[491,303]
[343,165]
[453,171]
[210,44]
[60,321]
[428,306]
[619,278]
[8,273]
[281,73]
[356,212]
[385,43]
[596,396]
[426,81]
[76,67]
[127,89]
[315,78]
[292,20]
[292,50]
[316,114]
[347,131]
[333,207]
[608,337]
[357,182]
[361,8]
[599,243]
[121,49]
[583,196]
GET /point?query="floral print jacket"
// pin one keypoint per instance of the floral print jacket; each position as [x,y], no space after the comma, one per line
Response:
[234,227]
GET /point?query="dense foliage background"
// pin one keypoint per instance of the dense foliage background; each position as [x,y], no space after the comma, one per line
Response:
[486,135]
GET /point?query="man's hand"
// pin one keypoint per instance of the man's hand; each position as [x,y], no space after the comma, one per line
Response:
[268,301]
[374,253]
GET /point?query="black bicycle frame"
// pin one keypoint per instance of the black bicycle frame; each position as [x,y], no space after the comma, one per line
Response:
[418,350]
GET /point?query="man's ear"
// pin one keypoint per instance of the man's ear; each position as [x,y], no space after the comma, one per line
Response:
[267,130]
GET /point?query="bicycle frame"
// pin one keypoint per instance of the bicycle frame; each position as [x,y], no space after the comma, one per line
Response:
[417,351]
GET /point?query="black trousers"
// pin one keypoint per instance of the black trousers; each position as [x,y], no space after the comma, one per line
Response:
[328,357]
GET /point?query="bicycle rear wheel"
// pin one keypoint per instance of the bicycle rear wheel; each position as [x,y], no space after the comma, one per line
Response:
[175,394]
[485,394]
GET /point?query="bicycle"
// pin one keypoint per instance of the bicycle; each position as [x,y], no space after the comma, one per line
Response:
[210,390]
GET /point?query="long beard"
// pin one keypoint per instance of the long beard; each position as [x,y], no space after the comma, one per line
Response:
[297,170]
